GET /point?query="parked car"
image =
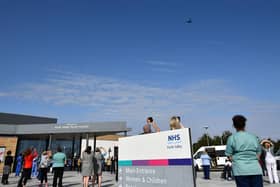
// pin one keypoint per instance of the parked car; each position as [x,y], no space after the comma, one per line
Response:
[217,153]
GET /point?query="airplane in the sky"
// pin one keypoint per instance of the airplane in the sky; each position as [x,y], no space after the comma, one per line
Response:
[189,20]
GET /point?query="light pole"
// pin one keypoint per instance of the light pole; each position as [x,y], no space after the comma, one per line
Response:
[207,136]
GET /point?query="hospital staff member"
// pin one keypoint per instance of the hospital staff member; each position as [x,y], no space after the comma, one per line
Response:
[244,150]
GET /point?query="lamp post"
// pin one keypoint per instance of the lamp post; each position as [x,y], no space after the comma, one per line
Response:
[207,136]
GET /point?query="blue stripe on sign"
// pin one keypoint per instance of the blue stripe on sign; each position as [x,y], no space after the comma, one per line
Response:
[179,162]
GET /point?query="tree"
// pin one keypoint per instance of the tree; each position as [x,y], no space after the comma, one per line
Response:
[202,141]
[216,140]
[225,136]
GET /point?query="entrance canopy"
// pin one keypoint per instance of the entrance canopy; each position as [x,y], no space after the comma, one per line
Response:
[17,124]
[95,128]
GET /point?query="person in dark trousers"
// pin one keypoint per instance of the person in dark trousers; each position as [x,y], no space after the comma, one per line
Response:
[59,161]
[28,157]
[206,162]
[113,165]
[98,166]
[227,173]
[79,164]
[244,150]
[262,163]
[7,167]
[44,168]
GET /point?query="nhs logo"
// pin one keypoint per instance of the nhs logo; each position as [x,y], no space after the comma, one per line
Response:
[175,137]
[174,141]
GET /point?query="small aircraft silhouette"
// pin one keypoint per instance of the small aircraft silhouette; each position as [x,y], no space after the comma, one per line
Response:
[189,20]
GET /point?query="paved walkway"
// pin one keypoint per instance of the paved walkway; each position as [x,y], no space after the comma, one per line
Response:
[70,179]
[73,179]
[216,181]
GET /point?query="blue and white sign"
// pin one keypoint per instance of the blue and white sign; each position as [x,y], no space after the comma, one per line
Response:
[157,159]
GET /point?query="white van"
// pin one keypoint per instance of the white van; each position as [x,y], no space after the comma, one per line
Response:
[217,153]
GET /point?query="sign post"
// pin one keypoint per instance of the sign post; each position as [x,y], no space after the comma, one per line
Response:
[157,159]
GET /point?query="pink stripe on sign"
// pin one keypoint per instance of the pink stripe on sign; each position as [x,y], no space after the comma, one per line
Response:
[158,162]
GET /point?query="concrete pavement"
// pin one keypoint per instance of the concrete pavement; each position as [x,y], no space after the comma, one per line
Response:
[73,179]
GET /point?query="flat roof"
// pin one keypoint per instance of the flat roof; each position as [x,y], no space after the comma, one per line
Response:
[18,124]
[15,119]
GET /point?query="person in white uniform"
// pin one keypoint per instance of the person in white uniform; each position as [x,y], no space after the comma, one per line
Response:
[270,161]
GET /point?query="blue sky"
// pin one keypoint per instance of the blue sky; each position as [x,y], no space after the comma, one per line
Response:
[126,60]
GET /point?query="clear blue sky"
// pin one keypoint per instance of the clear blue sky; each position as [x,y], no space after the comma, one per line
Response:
[125,60]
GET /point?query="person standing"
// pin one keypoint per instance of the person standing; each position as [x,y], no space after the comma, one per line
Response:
[262,162]
[148,127]
[19,164]
[270,161]
[44,163]
[34,171]
[227,169]
[7,167]
[79,163]
[206,162]
[87,165]
[98,166]
[59,161]
[113,167]
[244,150]
[28,157]
[175,123]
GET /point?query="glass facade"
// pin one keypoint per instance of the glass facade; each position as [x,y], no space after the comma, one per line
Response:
[40,144]
[70,145]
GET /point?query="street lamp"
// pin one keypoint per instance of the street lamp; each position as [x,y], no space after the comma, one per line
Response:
[207,136]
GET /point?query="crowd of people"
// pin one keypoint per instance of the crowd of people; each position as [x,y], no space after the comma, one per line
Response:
[248,159]
[90,165]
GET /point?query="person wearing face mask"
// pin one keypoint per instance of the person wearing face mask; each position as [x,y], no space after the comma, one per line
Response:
[270,161]
[150,124]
